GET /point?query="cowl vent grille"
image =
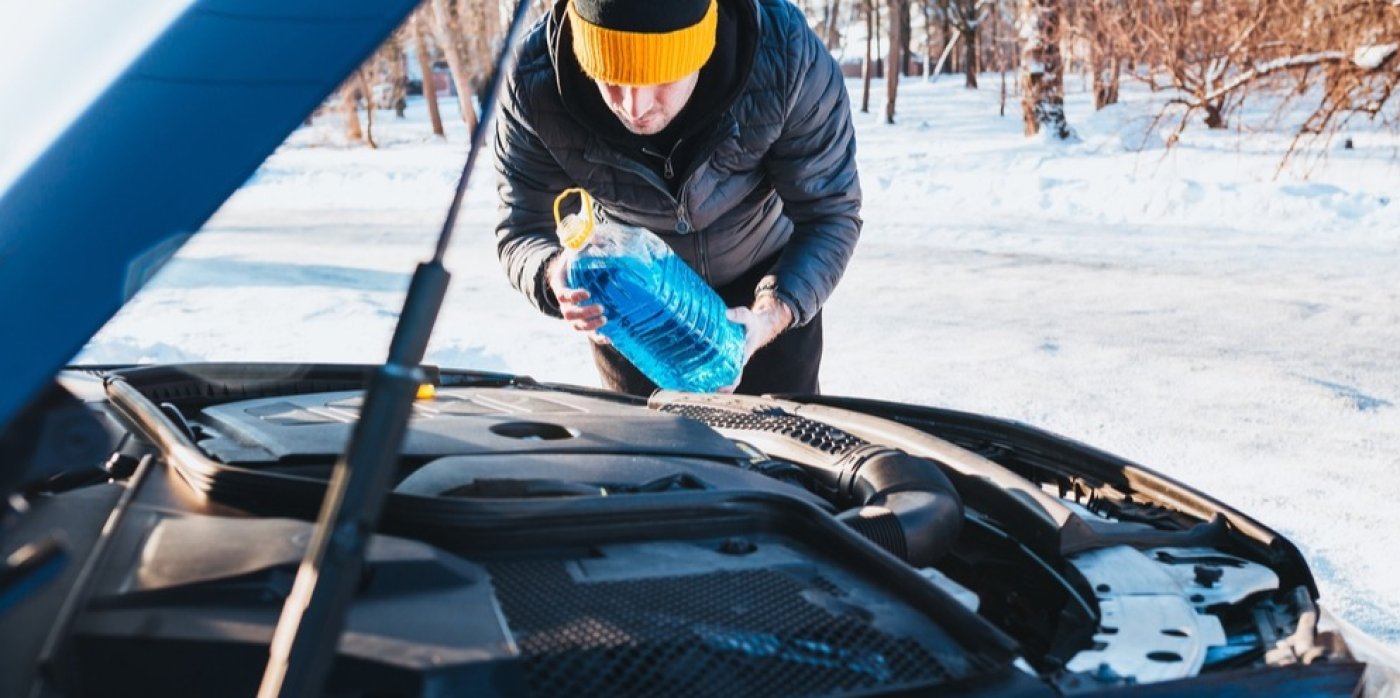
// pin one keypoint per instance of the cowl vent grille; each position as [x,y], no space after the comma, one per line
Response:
[729,633]
[822,437]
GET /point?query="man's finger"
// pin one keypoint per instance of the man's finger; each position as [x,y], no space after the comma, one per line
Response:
[571,295]
[580,312]
[589,325]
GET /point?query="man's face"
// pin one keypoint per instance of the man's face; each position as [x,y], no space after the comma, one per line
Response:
[647,109]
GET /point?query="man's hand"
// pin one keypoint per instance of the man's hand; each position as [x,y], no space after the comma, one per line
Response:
[573,304]
[762,323]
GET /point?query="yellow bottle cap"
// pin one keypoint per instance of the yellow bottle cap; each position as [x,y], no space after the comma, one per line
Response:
[427,391]
[577,231]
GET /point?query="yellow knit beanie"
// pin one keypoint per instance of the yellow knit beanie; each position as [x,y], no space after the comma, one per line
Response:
[642,42]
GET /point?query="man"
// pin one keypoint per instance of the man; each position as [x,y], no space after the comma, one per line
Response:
[721,125]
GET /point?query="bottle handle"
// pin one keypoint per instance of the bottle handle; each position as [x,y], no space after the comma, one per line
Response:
[580,230]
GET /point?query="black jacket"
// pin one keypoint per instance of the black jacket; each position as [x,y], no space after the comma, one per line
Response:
[774,173]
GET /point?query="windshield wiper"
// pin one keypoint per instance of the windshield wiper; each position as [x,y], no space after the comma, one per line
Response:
[305,642]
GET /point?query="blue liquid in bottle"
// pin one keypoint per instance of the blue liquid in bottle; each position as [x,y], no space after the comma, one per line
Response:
[661,315]
[665,320]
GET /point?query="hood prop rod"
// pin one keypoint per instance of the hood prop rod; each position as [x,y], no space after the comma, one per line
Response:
[307,637]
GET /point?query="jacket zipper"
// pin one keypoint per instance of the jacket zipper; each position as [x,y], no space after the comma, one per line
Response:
[667,169]
[704,153]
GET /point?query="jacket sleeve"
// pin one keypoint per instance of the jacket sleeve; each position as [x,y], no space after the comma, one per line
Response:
[528,179]
[813,168]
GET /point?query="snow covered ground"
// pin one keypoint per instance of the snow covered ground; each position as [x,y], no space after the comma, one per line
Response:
[1181,308]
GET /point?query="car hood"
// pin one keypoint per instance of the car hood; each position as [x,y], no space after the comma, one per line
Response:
[99,208]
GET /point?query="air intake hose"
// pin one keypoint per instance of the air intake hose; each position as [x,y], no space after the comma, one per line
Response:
[903,503]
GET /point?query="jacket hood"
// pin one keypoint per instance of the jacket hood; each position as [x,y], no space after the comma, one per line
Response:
[745,16]
[131,176]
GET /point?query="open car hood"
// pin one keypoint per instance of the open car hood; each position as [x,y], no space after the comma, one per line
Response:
[98,211]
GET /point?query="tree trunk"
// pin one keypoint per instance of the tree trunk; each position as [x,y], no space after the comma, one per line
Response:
[1001,65]
[927,8]
[1104,63]
[906,29]
[425,66]
[865,68]
[879,60]
[1215,114]
[1042,72]
[833,34]
[363,76]
[1002,110]
[896,55]
[484,29]
[447,32]
[398,74]
[494,35]
[970,56]
[350,107]
[946,26]
[1106,81]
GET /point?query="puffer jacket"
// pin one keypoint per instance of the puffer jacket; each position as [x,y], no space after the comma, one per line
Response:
[776,174]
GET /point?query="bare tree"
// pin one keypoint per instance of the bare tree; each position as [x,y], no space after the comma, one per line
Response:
[349,96]
[363,77]
[1367,33]
[425,67]
[966,17]
[928,7]
[479,36]
[1205,54]
[896,57]
[1209,57]
[1104,26]
[1042,72]
[833,32]
[906,33]
[392,68]
[998,49]
[447,30]
[493,31]
[949,35]
[872,27]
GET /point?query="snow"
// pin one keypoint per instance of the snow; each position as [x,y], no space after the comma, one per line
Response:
[1183,308]
[1371,57]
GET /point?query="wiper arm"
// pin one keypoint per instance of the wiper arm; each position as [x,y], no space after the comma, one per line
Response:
[305,642]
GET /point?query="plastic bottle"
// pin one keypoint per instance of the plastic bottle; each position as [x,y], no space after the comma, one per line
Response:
[660,314]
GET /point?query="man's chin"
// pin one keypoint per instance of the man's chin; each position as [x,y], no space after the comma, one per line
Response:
[649,127]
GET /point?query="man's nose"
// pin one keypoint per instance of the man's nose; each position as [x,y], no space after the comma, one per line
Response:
[637,101]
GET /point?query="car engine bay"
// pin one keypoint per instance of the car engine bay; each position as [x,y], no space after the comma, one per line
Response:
[554,540]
